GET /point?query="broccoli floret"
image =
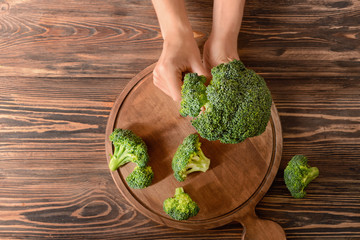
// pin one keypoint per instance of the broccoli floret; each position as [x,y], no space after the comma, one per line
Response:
[298,174]
[181,206]
[189,158]
[128,147]
[193,94]
[238,103]
[140,177]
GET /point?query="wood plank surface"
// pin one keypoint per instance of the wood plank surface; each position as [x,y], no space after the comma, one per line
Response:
[63,63]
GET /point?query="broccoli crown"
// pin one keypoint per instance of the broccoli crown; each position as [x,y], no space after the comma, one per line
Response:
[189,158]
[181,206]
[128,147]
[238,104]
[193,94]
[298,174]
[140,177]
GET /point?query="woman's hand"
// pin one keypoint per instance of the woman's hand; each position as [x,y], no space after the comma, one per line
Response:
[180,54]
[221,46]
[217,51]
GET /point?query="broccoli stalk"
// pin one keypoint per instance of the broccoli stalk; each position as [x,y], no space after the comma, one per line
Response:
[181,206]
[298,174]
[189,158]
[128,147]
[313,173]
[120,157]
[198,162]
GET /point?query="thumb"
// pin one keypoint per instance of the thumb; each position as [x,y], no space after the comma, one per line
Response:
[199,68]
[173,80]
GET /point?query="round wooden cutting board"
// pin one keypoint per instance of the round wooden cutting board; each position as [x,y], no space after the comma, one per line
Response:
[238,177]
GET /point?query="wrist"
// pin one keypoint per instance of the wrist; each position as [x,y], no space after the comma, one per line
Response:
[224,40]
[227,18]
[172,18]
[177,32]
[224,36]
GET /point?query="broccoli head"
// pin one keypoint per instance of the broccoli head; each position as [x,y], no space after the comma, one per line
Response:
[193,95]
[189,158]
[298,174]
[140,177]
[181,206]
[128,147]
[237,103]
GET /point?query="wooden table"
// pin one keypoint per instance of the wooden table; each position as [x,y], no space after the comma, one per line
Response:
[63,63]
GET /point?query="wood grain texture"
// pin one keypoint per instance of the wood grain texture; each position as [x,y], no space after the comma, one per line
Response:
[63,63]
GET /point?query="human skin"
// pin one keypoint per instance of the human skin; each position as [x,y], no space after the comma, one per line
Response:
[180,52]
[221,46]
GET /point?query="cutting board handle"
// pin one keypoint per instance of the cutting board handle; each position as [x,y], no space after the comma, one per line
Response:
[260,229]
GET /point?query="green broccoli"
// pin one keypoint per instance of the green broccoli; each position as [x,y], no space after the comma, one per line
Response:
[298,174]
[181,206]
[128,147]
[140,177]
[237,103]
[189,158]
[193,95]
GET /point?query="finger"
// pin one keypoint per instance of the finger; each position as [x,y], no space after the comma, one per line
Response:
[159,82]
[207,66]
[199,68]
[173,80]
[168,80]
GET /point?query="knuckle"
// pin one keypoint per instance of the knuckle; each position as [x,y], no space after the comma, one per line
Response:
[156,81]
[161,69]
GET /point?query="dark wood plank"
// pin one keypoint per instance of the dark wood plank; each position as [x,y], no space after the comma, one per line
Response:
[62,65]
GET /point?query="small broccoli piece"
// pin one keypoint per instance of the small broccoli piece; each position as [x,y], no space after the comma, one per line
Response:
[237,103]
[140,177]
[298,174]
[181,206]
[193,95]
[189,158]
[128,147]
